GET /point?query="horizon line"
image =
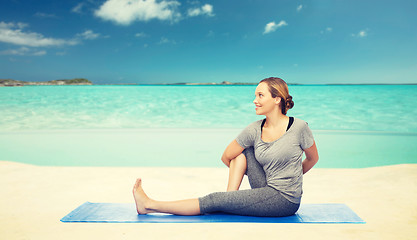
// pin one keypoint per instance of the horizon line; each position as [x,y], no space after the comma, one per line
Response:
[248,84]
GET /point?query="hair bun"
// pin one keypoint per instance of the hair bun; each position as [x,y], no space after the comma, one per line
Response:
[289,103]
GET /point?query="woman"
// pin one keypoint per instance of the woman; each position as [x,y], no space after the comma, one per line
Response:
[268,151]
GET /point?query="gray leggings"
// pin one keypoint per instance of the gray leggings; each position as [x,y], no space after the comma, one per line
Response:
[261,200]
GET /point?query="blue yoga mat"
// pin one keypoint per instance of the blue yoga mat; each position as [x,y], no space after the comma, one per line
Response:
[126,213]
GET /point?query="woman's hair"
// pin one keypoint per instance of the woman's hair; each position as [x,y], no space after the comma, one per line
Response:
[278,88]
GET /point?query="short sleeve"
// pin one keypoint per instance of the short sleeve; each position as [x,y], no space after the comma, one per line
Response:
[247,137]
[306,137]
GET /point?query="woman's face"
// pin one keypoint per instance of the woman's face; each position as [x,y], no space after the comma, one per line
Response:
[264,102]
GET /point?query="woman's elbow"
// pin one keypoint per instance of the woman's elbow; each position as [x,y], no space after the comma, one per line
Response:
[316,159]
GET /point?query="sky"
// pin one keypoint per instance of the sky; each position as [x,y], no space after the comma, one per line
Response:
[172,41]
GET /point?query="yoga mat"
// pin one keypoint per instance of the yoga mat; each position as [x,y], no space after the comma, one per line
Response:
[126,213]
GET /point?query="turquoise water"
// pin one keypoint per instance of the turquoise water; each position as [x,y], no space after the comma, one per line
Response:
[358,108]
[191,147]
[189,126]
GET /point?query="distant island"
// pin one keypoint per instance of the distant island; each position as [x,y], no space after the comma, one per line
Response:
[17,83]
[83,81]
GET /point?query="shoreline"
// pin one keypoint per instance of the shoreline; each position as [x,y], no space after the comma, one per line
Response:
[175,129]
[191,147]
[55,191]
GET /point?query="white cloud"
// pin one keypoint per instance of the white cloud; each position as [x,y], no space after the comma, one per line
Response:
[207,9]
[165,40]
[19,25]
[23,51]
[141,35]
[193,2]
[78,8]
[327,30]
[272,26]
[13,25]
[192,12]
[89,35]
[361,34]
[299,7]
[125,12]
[13,33]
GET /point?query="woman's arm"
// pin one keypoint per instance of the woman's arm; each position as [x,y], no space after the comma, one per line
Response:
[312,157]
[231,152]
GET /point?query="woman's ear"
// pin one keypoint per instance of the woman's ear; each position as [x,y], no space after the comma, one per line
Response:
[277,100]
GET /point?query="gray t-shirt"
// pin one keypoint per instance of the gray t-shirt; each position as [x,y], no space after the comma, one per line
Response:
[282,158]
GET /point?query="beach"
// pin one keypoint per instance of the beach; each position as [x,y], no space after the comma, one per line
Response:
[35,198]
[61,147]
[96,94]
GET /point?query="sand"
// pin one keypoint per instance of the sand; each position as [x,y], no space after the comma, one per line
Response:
[34,199]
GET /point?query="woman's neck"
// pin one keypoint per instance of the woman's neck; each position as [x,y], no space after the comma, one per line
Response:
[275,119]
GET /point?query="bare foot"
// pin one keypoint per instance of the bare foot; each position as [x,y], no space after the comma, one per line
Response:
[141,199]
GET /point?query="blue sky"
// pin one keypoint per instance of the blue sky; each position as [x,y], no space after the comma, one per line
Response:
[137,41]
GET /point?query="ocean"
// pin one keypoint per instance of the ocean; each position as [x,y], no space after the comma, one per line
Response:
[386,108]
[354,126]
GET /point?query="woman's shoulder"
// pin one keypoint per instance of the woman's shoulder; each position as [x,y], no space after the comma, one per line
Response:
[256,123]
[300,123]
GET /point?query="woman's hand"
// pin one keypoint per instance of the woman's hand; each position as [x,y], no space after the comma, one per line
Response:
[231,152]
[312,157]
